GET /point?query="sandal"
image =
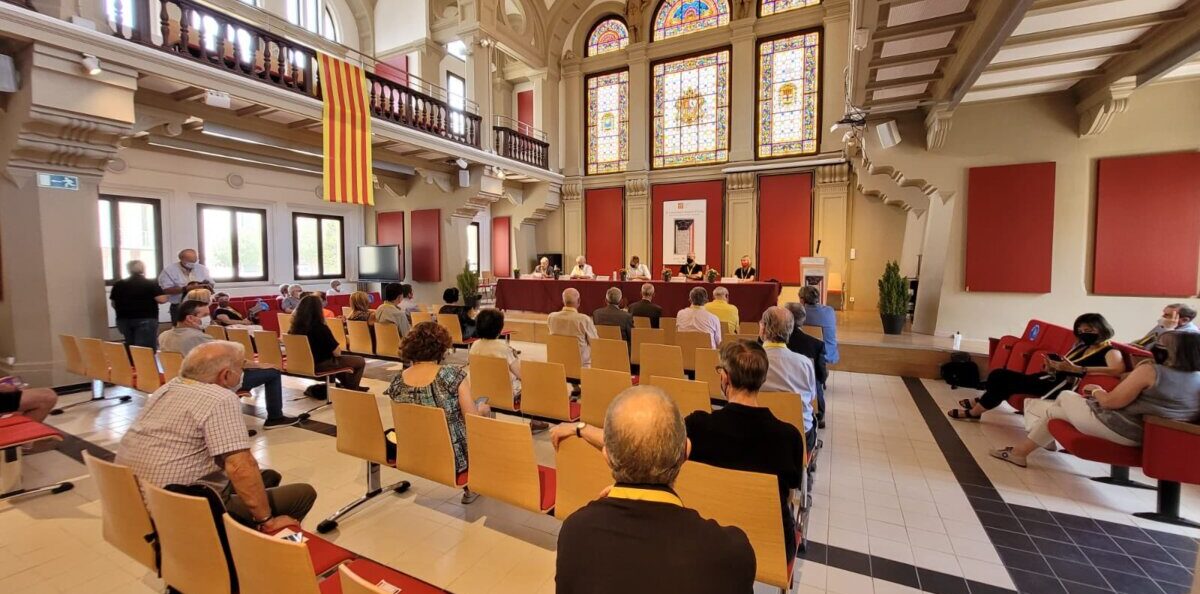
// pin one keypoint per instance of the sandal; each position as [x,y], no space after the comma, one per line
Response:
[959,414]
[968,403]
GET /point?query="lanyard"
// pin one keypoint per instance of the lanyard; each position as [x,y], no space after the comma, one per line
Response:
[1081,352]
[636,494]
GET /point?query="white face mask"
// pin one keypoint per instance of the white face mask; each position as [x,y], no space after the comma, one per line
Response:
[1167,323]
[205,321]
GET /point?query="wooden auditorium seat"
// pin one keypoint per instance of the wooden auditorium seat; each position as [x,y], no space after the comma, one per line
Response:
[423,444]
[242,337]
[609,354]
[582,473]
[503,465]
[564,350]
[124,520]
[643,336]
[490,379]
[17,431]
[545,393]
[706,371]
[689,396]
[663,360]
[145,365]
[598,388]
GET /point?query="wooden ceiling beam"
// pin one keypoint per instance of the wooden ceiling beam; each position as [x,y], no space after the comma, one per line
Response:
[1103,52]
[255,110]
[1102,27]
[188,94]
[1069,76]
[913,58]
[932,26]
[903,82]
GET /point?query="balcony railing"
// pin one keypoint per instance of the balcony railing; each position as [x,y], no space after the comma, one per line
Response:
[398,103]
[527,145]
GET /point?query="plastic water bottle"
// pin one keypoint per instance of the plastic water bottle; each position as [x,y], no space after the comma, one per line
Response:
[957,340]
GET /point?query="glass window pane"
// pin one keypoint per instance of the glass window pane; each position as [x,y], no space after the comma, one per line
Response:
[788,85]
[307,240]
[138,235]
[610,35]
[680,17]
[331,245]
[309,18]
[608,122]
[106,241]
[218,242]
[473,246]
[251,263]
[127,7]
[691,111]
[770,7]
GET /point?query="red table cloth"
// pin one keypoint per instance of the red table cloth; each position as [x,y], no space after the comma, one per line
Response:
[545,296]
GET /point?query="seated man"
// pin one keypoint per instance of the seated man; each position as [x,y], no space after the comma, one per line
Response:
[186,336]
[813,348]
[646,308]
[724,310]
[638,538]
[637,270]
[692,269]
[746,271]
[289,303]
[569,322]
[543,269]
[789,371]
[613,315]
[823,317]
[1176,316]
[389,311]
[226,315]
[582,269]
[697,319]
[16,397]
[191,431]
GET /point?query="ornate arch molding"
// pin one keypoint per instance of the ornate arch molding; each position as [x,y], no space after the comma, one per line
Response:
[363,12]
[492,17]
[584,24]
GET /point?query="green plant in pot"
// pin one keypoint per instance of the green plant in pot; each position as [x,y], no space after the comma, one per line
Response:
[893,299]
[468,286]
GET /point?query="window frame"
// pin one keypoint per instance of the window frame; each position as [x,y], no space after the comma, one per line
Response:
[478,246]
[759,10]
[729,107]
[321,275]
[587,127]
[758,43]
[327,15]
[234,210]
[587,40]
[114,223]
[658,7]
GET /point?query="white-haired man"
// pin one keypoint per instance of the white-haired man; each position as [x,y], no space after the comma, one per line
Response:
[569,322]
[788,371]
[646,308]
[135,299]
[177,278]
[582,269]
[695,318]
[612,314]
[724,310]
[543,270]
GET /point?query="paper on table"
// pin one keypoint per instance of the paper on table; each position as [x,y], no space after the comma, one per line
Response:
[292,535]
[386,587]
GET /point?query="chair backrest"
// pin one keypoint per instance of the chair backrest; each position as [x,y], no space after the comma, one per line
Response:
[688,342]
[267,345]
[564,350]
[610,354]
[353,584]
[299,355]
[148,379]
[124,520]
[193,559]
[641,322]
[544,391]
[94,362]
[747,328]
[421,316]
[598,388]
[667,325]
[120,369]
[642,336]
[215,331]
[75,362]
[171,364]
[451,324]
[748,500]
[360,431]
[664,360]
[339,331]
[688,395]
[346,311]
[285,322]
[502,462]
[387,340]
[733,337]
[489,377]
[581,473]
[787,407]
[706,370]
[266,564]
[423,443]
[360,336]
[242,337]
[609,332]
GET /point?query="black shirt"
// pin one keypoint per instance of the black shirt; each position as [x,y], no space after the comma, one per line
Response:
[749,438]
[133,298]
[626,546]
[693,268]
[813,348]
[646,309]
[745,272]
[231,313]
[464,319]
[322,343]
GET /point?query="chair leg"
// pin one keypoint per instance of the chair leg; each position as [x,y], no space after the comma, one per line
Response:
[373,490]
[1168,506]
[10,477]
[97,396]
[1119,476]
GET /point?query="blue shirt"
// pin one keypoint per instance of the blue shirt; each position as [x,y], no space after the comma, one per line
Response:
[824,317]
[789,371]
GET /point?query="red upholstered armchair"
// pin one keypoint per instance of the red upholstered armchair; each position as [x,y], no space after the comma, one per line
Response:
[1013,352]
[1027,356]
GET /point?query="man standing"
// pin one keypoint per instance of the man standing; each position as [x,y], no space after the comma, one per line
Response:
[692,269]
[646,308]
[638,538]
[823,317]
[1175,317]
[177,278]
[725,311]
[389,311]
[813,348]
[613,315]
[746,272]
[697,319]
[637,270]
[136,299]
[569,322]
[788,371]
[191,430]
[582,269]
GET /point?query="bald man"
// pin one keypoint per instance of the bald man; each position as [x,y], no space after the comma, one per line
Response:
[177,278]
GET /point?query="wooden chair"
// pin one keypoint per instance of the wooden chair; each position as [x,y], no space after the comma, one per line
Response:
[667,325]
[423,444]
[363,576]
[489,377]
[748,500]
[664,360]
[353,584]
[347,311]
[814,331]
[454,327]
[70,349]
[641,322]
[95,364]
[242,337]
[789,408]
[643,336]
[266,564]
[148,377]
[171,364]
[269,353]
[387,341]
[564,350]
[610,354]
[215,331]
[544,392]
[598,388]
[360,435]
[706,371]
[125,523]
[688,395]
[748,328]
[193,559]
[338,328]
[285,322]
[503,465]
[581,474]
[610,332]
[732,337]
[300,362]
[360,337]
[421,316]
[120,368]
[688,342]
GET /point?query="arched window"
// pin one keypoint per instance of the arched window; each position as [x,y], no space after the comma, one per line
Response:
[770,7]
[608,122]
[329,27]
[304,13]
[680,17]
[690,116]
[609,35]
[789,83]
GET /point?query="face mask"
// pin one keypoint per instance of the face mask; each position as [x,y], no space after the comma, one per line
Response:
[1166,323]
[689,260]
[187,265]
[237,386]
[204,322]
[1088,337]
[1160,354]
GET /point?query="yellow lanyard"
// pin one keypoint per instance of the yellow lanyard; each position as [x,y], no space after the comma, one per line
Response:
[774,345]
[636,494]
[1075,355]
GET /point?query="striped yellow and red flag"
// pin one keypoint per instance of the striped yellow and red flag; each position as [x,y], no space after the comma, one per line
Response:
[347,132]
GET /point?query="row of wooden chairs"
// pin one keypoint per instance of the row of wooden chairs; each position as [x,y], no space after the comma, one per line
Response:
[109,362]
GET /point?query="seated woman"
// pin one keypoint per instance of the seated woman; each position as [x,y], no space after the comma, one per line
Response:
[488,326]
[450,296]
[226,315]
[1169,388]
[429,383]
[308,321]
[360,308]
[1092,354]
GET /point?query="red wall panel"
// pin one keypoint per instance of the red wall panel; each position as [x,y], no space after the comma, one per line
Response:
[389,230]
[604,219]
[784,226]
[711,191]
[1010,228]
[1147,225]
[427,245]
[501,247]
[396,68]
[525,108]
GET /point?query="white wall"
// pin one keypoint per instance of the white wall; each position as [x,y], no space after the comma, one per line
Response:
[398,22]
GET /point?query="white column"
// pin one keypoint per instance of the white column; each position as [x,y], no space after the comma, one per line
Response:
[741,90]
[570,146]
[639,108]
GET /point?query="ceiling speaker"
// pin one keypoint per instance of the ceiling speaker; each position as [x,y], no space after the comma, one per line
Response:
[889,134]
[464,178]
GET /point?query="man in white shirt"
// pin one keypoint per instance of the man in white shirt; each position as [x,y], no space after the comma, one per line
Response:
[177,278]
[698,319]
[582,269]
[569,322]
[637,270]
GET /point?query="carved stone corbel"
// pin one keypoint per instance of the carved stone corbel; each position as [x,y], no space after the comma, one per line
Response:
[73,144]
[835,174]
[572,190]
[1096,113]
[937,126]
[636,188]
[740,182]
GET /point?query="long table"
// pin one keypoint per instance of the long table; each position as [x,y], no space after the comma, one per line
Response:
[545,295]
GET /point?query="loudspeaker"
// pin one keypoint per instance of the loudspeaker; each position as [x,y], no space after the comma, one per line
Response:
[10,79]
[464,178]
[889,134]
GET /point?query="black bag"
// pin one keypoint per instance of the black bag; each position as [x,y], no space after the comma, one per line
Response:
[960,371]
[318,391]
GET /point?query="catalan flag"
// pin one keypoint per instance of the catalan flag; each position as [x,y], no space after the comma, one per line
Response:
[347,132]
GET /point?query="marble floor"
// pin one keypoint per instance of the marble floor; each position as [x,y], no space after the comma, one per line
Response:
[904,501]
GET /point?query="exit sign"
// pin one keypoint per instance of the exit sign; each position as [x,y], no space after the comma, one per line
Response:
[58,181]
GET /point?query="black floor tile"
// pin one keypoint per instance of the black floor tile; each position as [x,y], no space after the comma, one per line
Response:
[1050,531]
[1185,558]
[1124,583]
[848,560]
[941,583]
[1113,561]
[1144,550]
[1124,531]
[1165,572]
[1078,588]
[999,521]
[1177,541]
[816,552]
[1023,560]
[894,571]
[1170,588]
[1025,512]
[982,492]
[982,588]
[1061,550]
[1076,522]
[1094,540]
[989,505]
[1083,573]
[1036,583]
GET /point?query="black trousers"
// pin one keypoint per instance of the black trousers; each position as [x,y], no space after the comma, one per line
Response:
[1003,383]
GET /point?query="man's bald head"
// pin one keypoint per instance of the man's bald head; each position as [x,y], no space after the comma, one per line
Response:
[644,437]
[209,362]
[570,298]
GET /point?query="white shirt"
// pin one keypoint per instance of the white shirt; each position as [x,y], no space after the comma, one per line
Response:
[175,275]
[585,272]
[640,272]
[698,319]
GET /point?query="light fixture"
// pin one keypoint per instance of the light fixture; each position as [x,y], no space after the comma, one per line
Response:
[850,119]
[91,64]
[461,162]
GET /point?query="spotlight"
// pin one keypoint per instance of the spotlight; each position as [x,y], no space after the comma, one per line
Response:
[91,64]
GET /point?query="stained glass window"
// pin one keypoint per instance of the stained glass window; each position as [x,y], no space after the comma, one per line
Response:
[609,35]
[608,122]
[770,7]
[680,17]
[788,98]
[691,110]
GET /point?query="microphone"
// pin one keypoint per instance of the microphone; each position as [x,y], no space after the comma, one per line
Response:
[818,246]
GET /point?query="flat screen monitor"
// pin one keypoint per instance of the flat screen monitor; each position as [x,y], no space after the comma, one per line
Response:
[380,263]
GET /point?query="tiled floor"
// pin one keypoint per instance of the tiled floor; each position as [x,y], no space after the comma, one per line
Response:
[904,502]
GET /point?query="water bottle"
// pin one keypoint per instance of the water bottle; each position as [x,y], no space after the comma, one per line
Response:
[957,340]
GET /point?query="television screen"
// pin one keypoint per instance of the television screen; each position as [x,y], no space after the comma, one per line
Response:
[380,263]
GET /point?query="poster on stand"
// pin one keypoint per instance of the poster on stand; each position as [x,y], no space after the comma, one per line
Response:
[684,231]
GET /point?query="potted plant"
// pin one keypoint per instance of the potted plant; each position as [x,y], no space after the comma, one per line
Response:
[713,275]
[516,273]
[893,299]
[468,286]
[666,275]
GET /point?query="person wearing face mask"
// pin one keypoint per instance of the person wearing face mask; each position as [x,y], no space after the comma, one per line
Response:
[177,278]
[191,431]
[1176,316]
[1168,387]
[1092,354]
[188,334]
[692,269]
[637,270]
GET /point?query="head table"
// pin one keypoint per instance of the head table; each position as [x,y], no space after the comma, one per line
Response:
[545,295]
